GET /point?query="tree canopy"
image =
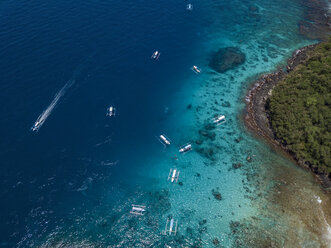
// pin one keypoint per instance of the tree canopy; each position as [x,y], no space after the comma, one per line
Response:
[299,109]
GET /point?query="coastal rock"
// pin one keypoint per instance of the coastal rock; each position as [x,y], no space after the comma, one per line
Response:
[226,59]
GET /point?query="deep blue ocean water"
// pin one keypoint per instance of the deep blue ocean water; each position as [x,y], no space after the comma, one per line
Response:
[72,182]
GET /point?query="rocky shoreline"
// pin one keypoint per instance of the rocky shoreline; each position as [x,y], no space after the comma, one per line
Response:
[256,116]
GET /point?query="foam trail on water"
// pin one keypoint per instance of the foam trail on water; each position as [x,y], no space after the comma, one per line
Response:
[44,115]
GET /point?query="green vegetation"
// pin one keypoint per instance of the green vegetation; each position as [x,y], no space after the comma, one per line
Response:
[299,109]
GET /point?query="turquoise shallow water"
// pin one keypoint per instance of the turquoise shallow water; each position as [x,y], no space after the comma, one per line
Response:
[73,183]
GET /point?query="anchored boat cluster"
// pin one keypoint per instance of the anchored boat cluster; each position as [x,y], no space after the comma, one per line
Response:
[139,210]
[171,223]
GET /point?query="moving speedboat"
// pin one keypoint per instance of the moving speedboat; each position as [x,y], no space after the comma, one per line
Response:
[189,6]
[156,55]
[36,126]
[196,69]
[111,111]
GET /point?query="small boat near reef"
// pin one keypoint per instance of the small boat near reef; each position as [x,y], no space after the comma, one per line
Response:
[219,119]
[172,229]
[185,148]
[138,210]
[173,175]
[164,140]
[196,69]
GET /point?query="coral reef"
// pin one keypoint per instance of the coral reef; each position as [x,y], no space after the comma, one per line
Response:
[226,59]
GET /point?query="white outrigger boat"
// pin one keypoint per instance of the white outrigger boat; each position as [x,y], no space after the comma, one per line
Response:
[138,210]
[189,6]
[164,140]
[196,69]
[173,175]
[156,55]
[185,148]
[172,227]
[111,111]
[219,119]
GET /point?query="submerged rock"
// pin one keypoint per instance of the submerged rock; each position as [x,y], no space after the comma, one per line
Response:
[226,104]
[104,223]
[253,8]
[226,58]
[234,224]
[217,195]
[160,200]
[216,242]
[237,165]
[204,221]
[207,134]
[207,152]
[189,231]
[209,127]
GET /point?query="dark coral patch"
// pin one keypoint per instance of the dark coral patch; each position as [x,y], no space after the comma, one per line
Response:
[237,165]
[226,59]
[217,195]
[226,104]
[207,152]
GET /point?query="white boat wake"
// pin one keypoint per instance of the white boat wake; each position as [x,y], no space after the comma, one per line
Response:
[44,115]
